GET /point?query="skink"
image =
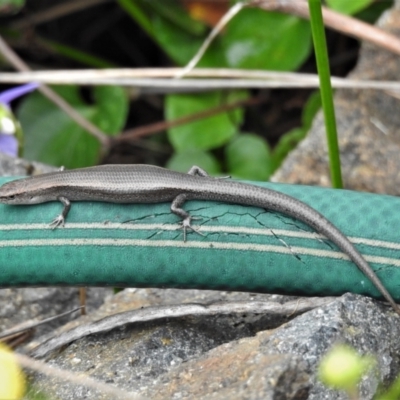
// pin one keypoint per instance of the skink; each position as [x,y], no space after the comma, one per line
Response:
[151,184]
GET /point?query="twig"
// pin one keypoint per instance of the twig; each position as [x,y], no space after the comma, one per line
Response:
[31,325]
[82,300]
[150,129]
[55,12]
[180,310]
[20,65]
[212,78]
[217,29]
[342,23]
[73,377]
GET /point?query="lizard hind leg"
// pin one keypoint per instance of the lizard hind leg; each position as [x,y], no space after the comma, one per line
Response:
[197,171]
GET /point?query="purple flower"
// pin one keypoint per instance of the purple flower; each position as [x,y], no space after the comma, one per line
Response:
[8,145]
[9,95]
[10,129]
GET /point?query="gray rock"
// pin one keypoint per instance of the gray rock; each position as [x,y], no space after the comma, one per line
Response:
[368,124]
[11,166]
[352,319]
[223,357]
[180,358]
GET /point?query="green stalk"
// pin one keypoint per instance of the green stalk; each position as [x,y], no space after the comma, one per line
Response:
[321,54]
[137,14]
[78,55]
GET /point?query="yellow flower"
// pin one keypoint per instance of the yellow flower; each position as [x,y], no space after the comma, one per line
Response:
[12,379]
[343,367]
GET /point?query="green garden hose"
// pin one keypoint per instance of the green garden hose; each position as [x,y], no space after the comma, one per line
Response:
[237,247]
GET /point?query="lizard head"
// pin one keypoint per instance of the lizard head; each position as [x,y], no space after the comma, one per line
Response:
[17,192]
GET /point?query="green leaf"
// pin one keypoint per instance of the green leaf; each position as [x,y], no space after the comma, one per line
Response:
[182,162]
[172,28]
[265,40]
[181,46]
[310,109]
[207,133]
[348,6]
[16,3]
[178,16]
[248,157]
[291,139]
[145,13]
[11,6]
[286,144]
[112,108]
[374,11]
[52,137]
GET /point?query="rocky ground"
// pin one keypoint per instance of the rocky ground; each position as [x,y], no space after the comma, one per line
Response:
[241,355]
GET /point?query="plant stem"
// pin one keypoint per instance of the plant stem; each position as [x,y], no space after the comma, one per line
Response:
[321,54]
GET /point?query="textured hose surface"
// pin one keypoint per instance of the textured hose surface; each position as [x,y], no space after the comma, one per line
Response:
[243,248]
